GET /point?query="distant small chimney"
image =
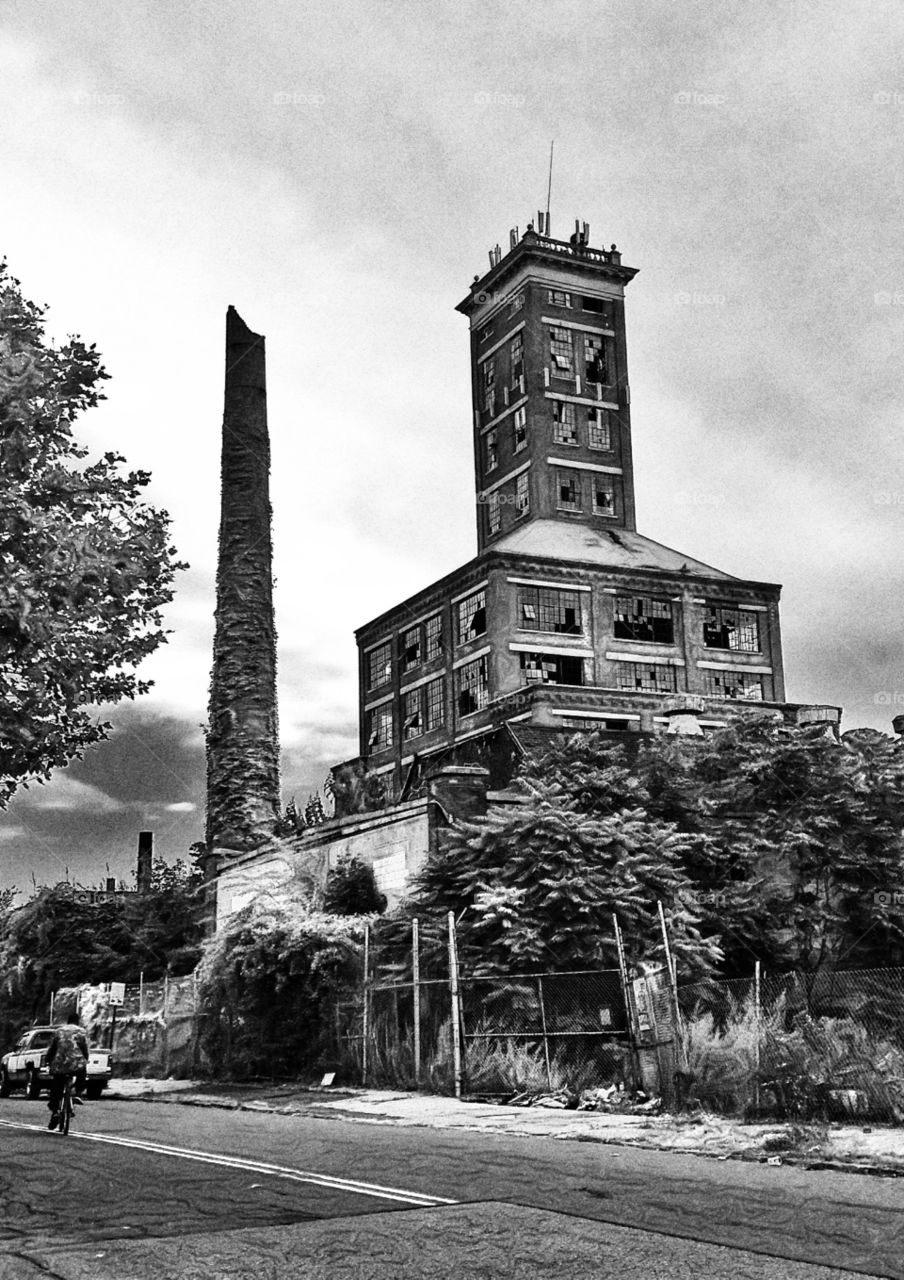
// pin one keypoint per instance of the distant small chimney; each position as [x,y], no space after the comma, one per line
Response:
[145,858]
[111,884]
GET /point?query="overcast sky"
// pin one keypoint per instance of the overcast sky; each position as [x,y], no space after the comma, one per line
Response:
[338,172]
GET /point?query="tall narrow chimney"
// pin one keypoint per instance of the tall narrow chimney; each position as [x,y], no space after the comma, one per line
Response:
[242,738]
[145,861]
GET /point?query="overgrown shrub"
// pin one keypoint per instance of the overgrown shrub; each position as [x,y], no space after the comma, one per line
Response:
[809,1068]
[268,985]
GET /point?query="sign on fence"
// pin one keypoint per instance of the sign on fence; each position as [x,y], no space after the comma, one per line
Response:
[116,994]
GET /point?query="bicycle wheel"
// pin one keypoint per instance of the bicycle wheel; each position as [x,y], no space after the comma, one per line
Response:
[67,1107]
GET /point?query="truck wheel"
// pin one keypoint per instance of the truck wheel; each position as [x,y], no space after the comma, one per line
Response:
[5,1084]
[93,1091]
[32,1083]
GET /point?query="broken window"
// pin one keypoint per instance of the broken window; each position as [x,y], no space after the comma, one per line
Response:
[743,685]
[598,359]
[379,665]
[727,627]
[472,617]
[643,618]
[551,668]
[489,386]
[522,494]
[603,495]
[559,298]
[492,448]
[380,727]
[473,690]
[593,304]
[433,636]
[520,426]
[599,435]
[435,710]
[562,353]
[550,609]
[516,304]
[565,429]
[645,677]
[494,513]
[411,648]
[411,714]
[568,490]
[516,354]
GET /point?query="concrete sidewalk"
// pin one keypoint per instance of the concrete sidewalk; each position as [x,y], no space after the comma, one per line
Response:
[852,1148]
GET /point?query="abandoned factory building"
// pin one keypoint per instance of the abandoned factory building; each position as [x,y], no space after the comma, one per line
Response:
[567,618]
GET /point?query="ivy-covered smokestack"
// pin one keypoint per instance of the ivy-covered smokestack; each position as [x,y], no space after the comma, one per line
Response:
[242,740]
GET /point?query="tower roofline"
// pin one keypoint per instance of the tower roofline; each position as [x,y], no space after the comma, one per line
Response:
[576,254]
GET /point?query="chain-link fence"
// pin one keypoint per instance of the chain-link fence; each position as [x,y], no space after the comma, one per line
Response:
[417,1024]
[824,1045]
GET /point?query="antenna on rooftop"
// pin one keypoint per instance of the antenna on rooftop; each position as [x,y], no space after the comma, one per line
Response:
[549,186]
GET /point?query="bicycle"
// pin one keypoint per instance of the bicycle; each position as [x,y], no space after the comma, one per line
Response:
[67,1106]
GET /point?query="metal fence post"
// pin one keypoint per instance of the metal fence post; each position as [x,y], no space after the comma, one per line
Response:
[757,1012]
[680,1046]
[454,989]
[416,997]
[52,995]
[543,1025]
[141,994]
[630,1011]
[365,1027]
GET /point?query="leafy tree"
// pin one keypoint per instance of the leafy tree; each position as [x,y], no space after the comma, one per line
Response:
[87,563]
[536,886]
[763,841]
[351,889]
[61,938]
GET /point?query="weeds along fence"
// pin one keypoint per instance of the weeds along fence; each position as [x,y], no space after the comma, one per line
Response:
[418,1022]
[823,1045]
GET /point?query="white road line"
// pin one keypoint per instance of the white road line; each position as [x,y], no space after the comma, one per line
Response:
[414,1198]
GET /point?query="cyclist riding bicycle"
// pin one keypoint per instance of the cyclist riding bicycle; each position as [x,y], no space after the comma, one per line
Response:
[67,1055]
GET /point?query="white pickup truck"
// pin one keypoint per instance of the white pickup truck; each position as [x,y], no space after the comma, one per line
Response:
[26,1066]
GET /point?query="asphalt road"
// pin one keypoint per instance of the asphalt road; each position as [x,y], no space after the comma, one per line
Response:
[180,1193]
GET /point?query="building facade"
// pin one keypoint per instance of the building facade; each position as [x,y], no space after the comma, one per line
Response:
[567,616]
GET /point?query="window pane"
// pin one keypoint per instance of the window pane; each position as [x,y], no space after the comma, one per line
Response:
[435,709]
[725,627]
[472,617]
[473,687]
[411,648]
[379,666]
[642,618]
[434,630]
[645,677]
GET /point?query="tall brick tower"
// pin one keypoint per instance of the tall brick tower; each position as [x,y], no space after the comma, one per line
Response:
[242,740]
[549,372]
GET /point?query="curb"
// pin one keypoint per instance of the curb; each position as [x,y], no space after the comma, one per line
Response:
[799,1162]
